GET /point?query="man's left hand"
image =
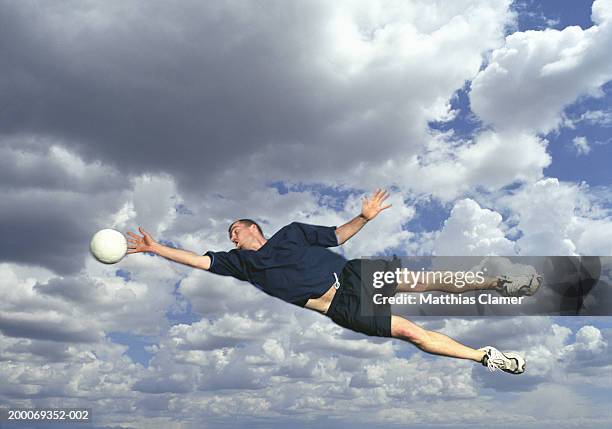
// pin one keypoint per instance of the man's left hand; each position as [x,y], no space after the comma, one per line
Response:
[372,206]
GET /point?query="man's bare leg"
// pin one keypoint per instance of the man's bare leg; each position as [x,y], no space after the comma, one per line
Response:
[432,342]
[489,283]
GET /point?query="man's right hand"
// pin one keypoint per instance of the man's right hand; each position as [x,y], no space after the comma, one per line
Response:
[137,243]
[145,243]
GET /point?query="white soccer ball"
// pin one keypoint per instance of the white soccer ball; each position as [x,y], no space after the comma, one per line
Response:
[108,246]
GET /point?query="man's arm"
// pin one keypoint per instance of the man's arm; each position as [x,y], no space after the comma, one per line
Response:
[146,243]
[369,210]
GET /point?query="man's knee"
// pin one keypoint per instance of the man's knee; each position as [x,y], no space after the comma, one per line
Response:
[408,331]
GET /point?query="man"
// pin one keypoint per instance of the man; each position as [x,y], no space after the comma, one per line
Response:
[296,265]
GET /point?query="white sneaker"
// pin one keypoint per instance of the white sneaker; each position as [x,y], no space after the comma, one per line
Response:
[509,362]
[519,285]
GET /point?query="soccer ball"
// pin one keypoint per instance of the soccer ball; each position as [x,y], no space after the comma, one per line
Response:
[108,246]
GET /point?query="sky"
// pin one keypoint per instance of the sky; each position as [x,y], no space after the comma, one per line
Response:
[488,120]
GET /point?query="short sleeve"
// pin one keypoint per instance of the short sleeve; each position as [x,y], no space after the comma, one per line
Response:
[315,235]
[227,264]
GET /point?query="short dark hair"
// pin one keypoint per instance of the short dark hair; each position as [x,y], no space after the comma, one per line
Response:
[247,222]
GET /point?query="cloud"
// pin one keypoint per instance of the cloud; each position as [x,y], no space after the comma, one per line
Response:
[225,332]
[595,237]
[530,80]
[46,326]
[472,230]
[33,162]
[558,218]
[589,342]
[546,212]
[491,160]
[581,145]
[550,349]
[37,304]
[353,77]
[49,229]
[520,94]
[601,118]
[93,371]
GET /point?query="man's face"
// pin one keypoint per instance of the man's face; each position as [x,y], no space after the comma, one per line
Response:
[244,237]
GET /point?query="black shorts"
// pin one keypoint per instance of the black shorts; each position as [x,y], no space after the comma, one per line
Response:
[353,306]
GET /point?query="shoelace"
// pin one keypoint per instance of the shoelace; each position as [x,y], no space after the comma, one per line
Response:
[512,284]
[496,360]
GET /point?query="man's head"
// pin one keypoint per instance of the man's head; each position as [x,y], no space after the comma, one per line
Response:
[246,234]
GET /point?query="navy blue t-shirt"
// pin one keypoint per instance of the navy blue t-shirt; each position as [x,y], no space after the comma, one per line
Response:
[293,265]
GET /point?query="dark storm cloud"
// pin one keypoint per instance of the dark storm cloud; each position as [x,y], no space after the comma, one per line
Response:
[42,328]
[32,163]
[77,290]
[36,350]
[193,88]
[48,229]
[156,86]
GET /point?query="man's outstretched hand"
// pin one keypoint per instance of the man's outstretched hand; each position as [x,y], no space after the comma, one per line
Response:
[371,207]
[145,243]
[137,243]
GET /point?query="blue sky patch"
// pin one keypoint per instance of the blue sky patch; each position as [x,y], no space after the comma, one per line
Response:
[181,310]
[124,274]
[465,124]
[589,118]
[327,196]
[136,346]
[541,14]
[429,216]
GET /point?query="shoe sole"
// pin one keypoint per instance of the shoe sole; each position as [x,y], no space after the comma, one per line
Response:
[520,363]
[526,290]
